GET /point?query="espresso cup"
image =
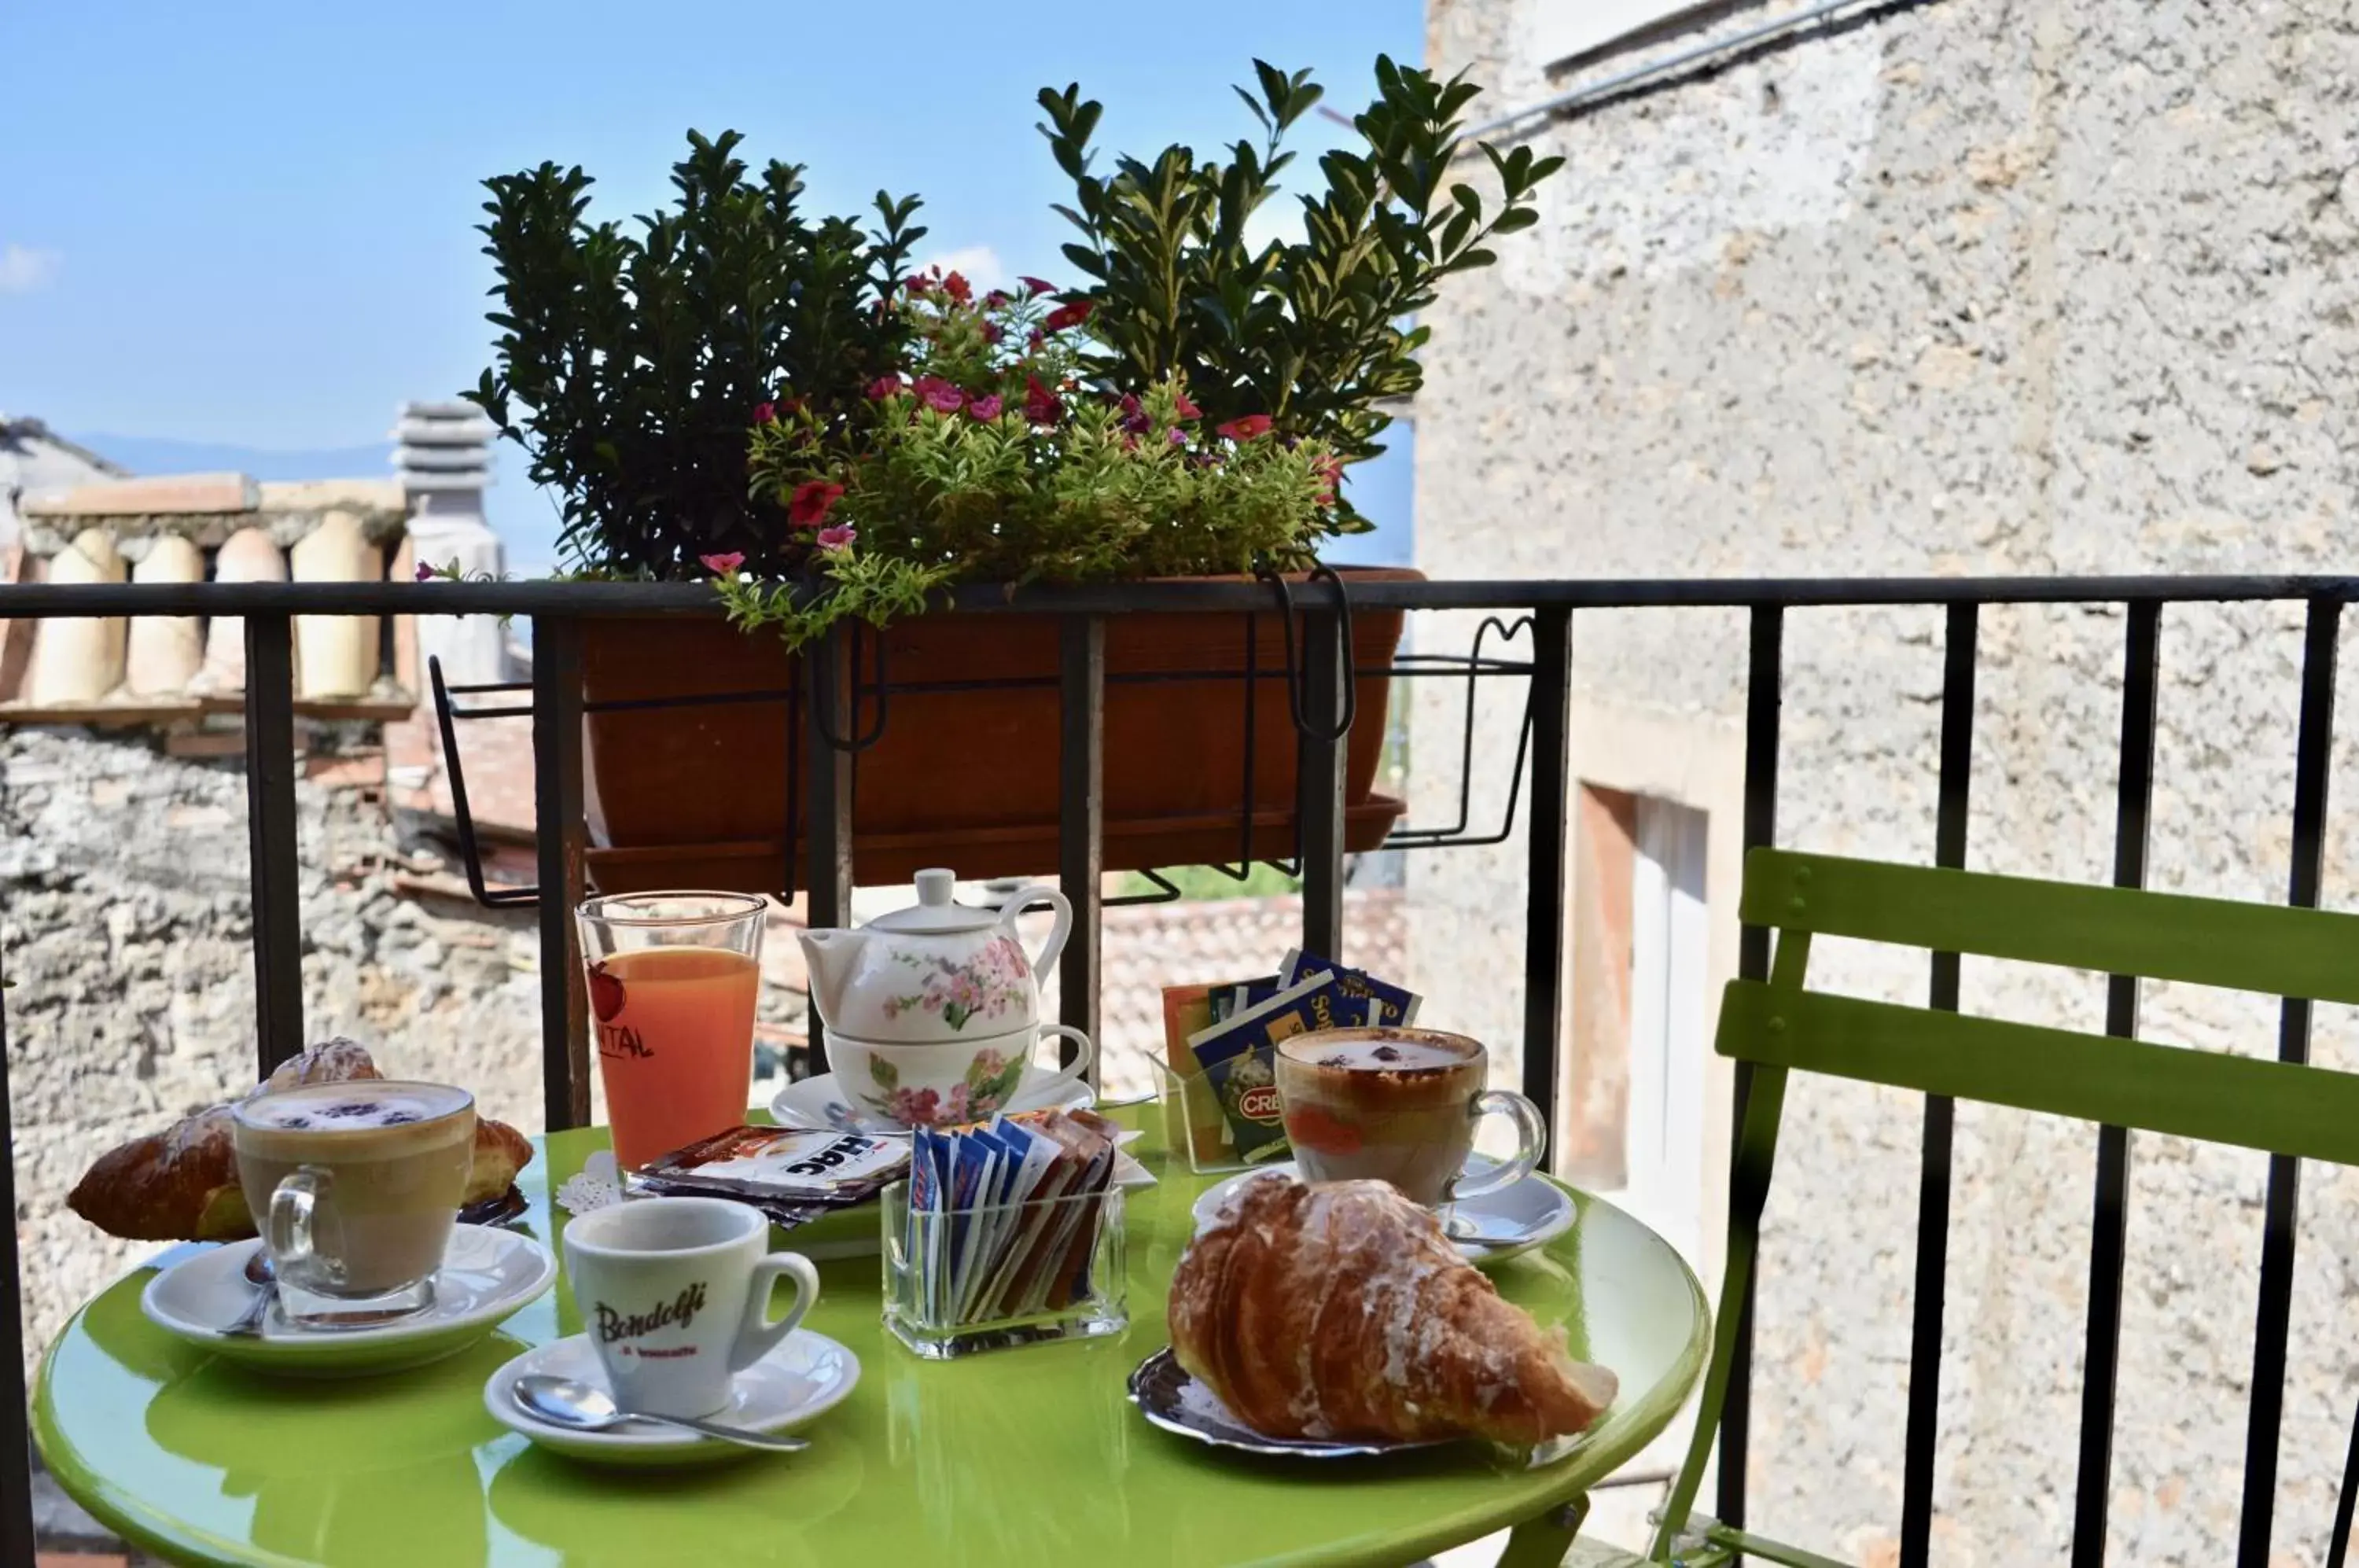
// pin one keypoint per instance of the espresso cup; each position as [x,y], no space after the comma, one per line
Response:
[354,1187]
[1398,1106]
[675,1295]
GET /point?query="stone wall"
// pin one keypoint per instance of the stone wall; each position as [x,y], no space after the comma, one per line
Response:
[1971,286]
[124,914]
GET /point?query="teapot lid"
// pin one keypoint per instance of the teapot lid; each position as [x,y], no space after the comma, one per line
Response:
[933,911]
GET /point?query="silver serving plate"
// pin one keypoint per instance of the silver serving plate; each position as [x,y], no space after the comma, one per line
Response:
[1157,1388]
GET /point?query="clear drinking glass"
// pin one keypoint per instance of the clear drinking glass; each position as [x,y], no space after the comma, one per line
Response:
[673,977]
[354,1187]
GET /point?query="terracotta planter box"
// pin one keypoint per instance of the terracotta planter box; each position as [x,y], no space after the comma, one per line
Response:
[696,796]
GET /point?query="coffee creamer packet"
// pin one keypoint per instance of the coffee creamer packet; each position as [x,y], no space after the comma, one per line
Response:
[1239,1058]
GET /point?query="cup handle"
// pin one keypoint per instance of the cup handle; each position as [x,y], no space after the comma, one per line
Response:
[1531,1137]
[756,1334]
[1024,898]
[294,1210]
[1080,1063]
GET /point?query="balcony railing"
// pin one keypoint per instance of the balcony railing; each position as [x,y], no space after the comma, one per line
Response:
[557,610]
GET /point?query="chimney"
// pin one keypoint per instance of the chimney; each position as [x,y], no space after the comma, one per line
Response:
[445,461]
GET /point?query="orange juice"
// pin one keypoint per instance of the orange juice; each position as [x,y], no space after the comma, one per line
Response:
[675,1033]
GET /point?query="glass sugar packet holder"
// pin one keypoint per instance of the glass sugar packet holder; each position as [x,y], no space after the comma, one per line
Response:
[1195,1128]
[961,1281]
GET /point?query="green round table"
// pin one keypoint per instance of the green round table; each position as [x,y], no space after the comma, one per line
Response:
[1030,1457]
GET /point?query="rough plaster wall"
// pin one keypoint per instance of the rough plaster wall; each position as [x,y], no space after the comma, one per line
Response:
[1980,286]
[125,911]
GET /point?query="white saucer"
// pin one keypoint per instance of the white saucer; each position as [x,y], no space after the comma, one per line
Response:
[487,1276]
[816,1105]
[808,1373]
[1532,1213]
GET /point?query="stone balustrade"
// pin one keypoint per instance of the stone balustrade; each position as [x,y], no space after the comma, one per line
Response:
[191,529]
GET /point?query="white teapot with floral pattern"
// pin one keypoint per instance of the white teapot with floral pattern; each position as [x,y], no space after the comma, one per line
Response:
[937,973]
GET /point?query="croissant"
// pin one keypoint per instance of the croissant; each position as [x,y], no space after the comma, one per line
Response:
[180,1184]
[1339,1310]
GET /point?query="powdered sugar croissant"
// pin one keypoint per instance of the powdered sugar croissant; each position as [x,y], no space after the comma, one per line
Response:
[1339,1310]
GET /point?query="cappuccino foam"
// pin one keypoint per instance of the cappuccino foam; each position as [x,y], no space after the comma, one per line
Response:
[365,1118]
[1359,1053]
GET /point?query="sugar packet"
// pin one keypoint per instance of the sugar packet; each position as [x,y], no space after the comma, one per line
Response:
[1194,1118]
[1394,1004]
[1239,1059]
[989,1241]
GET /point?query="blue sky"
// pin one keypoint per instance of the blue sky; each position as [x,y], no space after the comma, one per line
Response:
[250,224]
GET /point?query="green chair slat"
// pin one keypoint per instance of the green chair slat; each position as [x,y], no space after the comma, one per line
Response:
[2270,1106]
[2264,948]
[1780,1025]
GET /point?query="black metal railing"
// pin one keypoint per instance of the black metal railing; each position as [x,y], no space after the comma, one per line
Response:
[557,611]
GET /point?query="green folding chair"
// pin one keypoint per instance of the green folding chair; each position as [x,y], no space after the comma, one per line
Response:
[1780,1026]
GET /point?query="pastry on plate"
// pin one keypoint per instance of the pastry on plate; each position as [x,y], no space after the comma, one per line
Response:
[180,1184]
[1341,1310]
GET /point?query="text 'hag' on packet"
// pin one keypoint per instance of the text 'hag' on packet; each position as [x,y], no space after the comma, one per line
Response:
[790,1175]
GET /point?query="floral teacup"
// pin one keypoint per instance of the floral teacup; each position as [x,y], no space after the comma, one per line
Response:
[946,1084]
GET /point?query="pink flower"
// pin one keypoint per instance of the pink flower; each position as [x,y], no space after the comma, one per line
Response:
[765,413]
[1331,475]
[996,297]
[1176,436]
[812,502]
[1035,338]
[723,565]
[956,287]
[1041,406]
[1185,409]
[884,387]
[1037,285]
[984,409]
[990,332]
[1134,418]
[939,394]
[914,1108]
[1068,315]
[1247,428]
[426,573]
[837,538]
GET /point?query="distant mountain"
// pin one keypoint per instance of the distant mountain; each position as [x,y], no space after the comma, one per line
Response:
[161,454]
[524,521]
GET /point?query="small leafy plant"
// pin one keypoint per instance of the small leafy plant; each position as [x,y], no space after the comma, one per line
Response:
[1314,334]
[773,401]
[628,362]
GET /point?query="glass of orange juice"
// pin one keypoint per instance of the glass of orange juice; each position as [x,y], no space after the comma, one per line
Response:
[673,978]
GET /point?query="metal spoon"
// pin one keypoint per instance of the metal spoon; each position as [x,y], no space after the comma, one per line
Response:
[562,1401]
[265,1280]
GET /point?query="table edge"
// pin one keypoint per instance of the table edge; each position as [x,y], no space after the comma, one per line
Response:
[1581,1471]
